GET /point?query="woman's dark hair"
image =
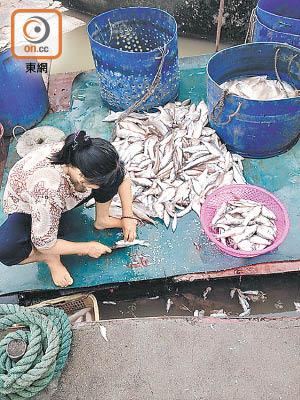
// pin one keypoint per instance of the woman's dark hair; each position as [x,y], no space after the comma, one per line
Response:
[96,158]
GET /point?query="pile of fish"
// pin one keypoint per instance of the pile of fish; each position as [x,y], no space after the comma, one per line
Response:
[244,225]
[173,159]
[260,88]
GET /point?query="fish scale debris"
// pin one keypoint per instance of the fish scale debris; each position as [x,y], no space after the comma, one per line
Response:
[244,225]
[173,159]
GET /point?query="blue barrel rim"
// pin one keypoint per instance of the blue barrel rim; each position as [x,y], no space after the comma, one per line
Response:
[132,8]
[250,44]
[279,32]
[273,14]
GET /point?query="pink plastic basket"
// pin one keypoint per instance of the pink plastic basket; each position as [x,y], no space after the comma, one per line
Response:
[251,192]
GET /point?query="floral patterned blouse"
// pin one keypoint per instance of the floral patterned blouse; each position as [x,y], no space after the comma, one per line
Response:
[36,186]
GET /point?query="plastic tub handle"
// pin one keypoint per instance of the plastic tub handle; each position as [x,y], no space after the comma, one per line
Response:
[231,115]
[219,107]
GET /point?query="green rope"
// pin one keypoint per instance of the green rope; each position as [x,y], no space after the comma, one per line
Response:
[48,345]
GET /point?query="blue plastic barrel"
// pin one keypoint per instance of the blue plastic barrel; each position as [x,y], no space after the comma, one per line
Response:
[125,44]
[279,15]
[262,33]
[252,128]
[23,96]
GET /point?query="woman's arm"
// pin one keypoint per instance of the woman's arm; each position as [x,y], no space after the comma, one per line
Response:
[128,224]
[64,247]
[126,197]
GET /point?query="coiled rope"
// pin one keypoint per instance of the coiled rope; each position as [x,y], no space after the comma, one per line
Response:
[48,344]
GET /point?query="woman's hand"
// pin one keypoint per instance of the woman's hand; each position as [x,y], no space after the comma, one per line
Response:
[129,229]
[96,249]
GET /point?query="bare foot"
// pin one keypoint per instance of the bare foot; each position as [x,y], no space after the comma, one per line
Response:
[59,272]
[110,222]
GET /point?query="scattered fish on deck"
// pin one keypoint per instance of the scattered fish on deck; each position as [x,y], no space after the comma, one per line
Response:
[173,159]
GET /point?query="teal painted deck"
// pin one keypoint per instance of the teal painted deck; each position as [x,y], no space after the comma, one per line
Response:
[169,254]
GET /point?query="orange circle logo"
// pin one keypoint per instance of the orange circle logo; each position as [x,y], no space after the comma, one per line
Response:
[36,29]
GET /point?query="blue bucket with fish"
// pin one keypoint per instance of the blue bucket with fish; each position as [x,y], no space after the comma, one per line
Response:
[136,56]
[279,15]
[23,96]
[254,128]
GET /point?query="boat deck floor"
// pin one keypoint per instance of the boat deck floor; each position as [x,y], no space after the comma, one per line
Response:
[170,254]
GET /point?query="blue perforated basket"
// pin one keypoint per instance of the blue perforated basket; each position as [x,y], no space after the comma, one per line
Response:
[125,44]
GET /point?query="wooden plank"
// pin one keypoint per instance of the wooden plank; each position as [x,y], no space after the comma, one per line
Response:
[254,269]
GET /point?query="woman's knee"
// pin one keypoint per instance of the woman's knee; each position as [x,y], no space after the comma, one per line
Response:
[15,243]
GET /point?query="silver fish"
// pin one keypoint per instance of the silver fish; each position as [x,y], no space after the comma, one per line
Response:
[169,303]
[174,222]
[247,234]
[245,245]
[297,305]
[206,292]
[265,212]
[131,126]
[220,213]
[259,240]
[244,303]
[184,211]
[166,218]
[245,313]
[112,116]
[122,243]
[266,232]
[238,230]
[254,213]
[103,332]
[219,314]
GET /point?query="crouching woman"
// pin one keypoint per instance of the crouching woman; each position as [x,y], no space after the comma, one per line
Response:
[52,180]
